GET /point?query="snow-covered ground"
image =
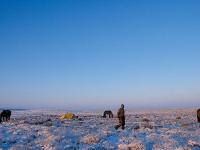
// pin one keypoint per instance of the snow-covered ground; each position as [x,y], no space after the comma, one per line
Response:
[42,129]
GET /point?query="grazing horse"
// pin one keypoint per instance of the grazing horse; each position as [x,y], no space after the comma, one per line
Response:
[198,115]
[5,115]
[109,113]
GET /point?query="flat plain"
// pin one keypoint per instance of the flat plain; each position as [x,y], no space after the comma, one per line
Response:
[145,130]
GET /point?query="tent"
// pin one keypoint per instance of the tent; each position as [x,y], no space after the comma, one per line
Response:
[68,116]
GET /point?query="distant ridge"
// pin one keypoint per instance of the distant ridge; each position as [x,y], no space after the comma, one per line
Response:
[13,109]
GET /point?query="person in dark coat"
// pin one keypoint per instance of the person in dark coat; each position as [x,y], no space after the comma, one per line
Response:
[121,117]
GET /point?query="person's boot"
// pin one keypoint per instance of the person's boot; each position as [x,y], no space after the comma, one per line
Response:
[116,127]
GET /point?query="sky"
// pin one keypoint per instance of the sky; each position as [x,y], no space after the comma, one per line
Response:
[97,54]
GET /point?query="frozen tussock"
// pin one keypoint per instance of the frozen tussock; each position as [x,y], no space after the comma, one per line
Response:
[194,144]
[90,139]
[136,145]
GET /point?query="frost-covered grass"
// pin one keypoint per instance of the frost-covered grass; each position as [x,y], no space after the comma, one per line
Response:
[42,129]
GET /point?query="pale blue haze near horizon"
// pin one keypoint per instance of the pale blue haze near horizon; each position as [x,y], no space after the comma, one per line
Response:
[92,54]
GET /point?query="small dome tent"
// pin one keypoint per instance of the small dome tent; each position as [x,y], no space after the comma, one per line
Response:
[68,116]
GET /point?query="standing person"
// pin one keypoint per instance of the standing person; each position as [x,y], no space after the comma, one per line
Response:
[121,117]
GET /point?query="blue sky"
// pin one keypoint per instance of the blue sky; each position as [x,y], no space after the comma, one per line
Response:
[98,54]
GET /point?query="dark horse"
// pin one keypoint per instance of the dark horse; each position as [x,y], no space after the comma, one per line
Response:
[5,115]
[109,113]
[198,115]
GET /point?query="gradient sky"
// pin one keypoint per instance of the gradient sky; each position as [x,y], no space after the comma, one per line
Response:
[87,54]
